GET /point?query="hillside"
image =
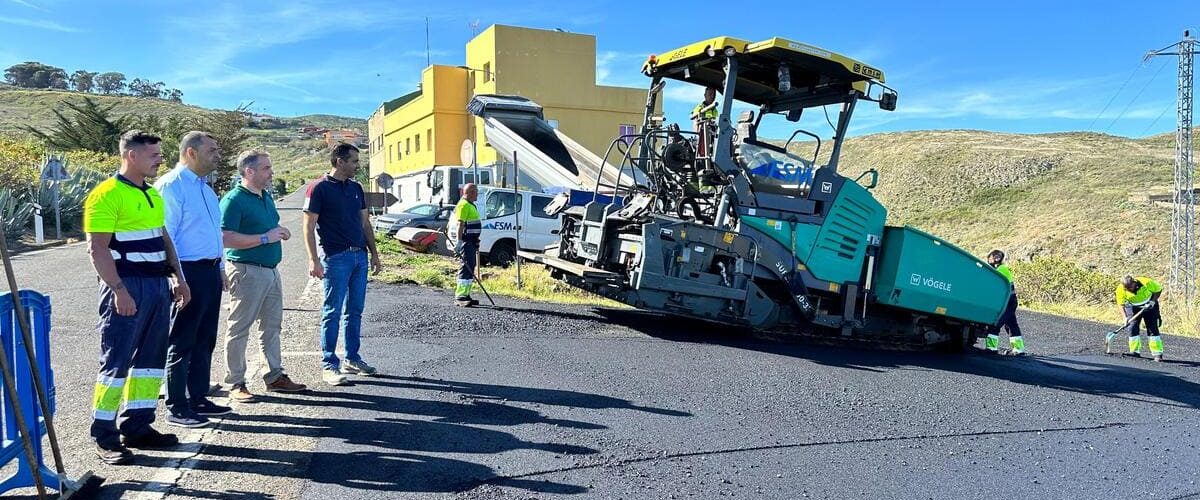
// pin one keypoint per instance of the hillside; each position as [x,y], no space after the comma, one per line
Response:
[1063,195]
[294,155]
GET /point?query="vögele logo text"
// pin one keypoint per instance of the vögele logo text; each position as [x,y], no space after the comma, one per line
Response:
[918,280]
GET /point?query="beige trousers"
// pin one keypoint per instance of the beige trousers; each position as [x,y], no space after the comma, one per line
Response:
[255,294]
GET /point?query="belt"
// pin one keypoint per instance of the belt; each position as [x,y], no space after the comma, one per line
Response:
[255,264]
[203,262]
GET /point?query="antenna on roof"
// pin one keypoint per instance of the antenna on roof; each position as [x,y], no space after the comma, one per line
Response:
[427,62]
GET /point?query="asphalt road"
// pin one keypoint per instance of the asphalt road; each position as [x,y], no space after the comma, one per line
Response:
[544,401]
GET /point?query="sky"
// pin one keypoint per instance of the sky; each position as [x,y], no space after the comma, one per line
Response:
[1015,66]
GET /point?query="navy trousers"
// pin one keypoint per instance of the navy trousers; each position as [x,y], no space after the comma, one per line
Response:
[193,337]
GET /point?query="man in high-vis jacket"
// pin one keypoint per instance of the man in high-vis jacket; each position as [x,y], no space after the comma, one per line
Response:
[467,227]
[1139,297]
[133,256]
[1008,319]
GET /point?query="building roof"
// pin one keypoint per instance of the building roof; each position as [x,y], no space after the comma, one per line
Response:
[394,104]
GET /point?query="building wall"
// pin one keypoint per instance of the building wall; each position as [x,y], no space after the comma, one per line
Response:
[555,69]
[378,149]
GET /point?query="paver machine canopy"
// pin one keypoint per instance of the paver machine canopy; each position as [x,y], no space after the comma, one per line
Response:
[734,229]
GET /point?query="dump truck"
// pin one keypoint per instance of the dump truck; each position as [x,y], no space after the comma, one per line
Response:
[728,228]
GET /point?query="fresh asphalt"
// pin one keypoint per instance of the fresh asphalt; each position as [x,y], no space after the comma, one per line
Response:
[533,400]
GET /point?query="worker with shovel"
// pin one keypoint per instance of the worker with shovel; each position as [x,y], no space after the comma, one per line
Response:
[467,226]
[1138,300]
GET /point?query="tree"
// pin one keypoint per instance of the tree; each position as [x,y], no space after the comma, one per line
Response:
[110,83]
[35,75]
[228,128]
[174,95]
[90,126]
[83,81]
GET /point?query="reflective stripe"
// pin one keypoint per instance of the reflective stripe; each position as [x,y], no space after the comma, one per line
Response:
[144,234]
[142,404]
[1142,303]
[147,372]
[464,282]
[104,415]
[140,256]
[110,381]
[146,256]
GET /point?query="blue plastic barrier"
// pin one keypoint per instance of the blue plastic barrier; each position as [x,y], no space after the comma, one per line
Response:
[37,306]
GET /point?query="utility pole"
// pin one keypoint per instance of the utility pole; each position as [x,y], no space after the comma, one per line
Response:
[1183,221]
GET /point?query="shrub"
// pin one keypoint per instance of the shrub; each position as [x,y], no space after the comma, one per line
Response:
[1053,280]
[16,213]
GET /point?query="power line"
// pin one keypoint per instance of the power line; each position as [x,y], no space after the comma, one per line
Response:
[1155,122]
[1114,97]
[1135,98]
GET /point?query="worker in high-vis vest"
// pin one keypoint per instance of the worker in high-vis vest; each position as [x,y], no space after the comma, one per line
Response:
[706,111]
[133,257]
[467,226]
[1008,319]
[1139,297]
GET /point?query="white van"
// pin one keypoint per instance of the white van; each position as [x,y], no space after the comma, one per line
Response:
[500,210]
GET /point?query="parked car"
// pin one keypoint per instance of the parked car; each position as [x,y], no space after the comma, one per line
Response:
[425,216]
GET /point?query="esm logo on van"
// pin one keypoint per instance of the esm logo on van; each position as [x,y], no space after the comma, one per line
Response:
[918,280]
[501,226]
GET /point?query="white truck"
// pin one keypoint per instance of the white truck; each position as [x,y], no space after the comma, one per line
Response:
[501,210]
[439,185]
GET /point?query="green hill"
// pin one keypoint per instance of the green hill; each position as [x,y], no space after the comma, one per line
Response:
[295,156]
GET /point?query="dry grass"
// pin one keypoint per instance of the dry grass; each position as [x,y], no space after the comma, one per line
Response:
[401,265]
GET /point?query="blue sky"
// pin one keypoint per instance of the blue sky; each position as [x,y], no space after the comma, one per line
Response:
[1015,66]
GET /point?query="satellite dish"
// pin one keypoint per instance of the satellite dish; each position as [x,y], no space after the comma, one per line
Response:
[384,181]
[467,153]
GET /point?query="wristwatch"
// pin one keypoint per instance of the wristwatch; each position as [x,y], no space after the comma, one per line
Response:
[263,239]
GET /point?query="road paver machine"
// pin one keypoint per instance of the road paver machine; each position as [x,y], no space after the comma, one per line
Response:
[726,227]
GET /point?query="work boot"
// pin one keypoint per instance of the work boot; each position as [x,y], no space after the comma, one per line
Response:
[113,455]
[1157,358]
[1018,345]
[465,301]
[992,343]
[358,368]
[285,384]
[152,439]
[241,394]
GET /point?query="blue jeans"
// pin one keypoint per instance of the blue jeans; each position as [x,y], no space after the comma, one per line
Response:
[345,293]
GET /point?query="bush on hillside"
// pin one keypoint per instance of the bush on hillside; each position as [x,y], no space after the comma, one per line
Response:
[1054,280]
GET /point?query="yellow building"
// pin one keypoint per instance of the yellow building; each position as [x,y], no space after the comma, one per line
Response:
[555,69]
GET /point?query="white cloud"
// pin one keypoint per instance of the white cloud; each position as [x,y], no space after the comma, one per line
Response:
[30,5]
[683,92]
[620,69]
[38,23]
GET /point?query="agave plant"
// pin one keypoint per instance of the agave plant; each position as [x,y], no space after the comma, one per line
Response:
[16,213]
[72,194]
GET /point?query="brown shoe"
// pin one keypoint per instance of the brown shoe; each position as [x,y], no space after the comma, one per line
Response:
[240,394]
[285,384]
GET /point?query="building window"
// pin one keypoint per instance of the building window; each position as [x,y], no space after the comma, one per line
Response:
[626,132]
[429,138]
[417,143]
[390,157]
[407,146]
[487,72]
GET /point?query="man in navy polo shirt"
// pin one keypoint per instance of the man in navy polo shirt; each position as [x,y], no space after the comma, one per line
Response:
[335,209]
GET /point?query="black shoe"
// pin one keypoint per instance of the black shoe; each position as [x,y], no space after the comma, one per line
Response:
[210,409]
[118,455]
[152,439]
[189,420]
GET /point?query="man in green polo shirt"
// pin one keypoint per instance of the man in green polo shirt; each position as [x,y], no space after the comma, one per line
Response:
[251,231]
